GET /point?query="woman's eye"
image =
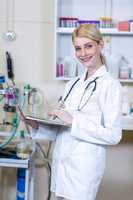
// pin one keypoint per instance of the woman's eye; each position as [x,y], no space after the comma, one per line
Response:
[77,49]
[89,46]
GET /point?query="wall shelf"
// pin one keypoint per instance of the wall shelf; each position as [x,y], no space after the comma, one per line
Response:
[68,78]
[126,80]
[62,78]
[104,31]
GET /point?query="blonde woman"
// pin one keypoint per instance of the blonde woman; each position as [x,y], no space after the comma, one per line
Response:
[92,111]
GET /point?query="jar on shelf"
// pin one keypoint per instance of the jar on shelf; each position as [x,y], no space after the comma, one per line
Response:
[70,66]
[131,72]
[131,25]
[68,22]
[124,70]
[60,68]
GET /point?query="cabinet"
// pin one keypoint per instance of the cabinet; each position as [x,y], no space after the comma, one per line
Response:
[70,12]
[118,43]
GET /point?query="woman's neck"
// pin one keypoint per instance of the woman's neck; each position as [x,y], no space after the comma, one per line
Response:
[91,71]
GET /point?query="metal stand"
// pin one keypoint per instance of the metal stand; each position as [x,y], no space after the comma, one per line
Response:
[28,165]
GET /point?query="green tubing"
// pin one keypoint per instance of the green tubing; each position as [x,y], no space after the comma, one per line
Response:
[16,121]
[1,97]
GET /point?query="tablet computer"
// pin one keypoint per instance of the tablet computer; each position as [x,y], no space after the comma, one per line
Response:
[46,121]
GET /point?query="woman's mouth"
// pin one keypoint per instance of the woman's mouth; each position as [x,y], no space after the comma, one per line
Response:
[86,59]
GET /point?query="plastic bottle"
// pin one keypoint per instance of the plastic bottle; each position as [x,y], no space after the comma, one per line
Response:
[24,147]
[124,69]
[26,94]
[131,72]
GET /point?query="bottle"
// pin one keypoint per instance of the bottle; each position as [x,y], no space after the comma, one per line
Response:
[124,69]
[131,108]
[24,147]
[131,72]
[26,95]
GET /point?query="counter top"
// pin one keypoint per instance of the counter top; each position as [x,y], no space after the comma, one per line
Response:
[127,122]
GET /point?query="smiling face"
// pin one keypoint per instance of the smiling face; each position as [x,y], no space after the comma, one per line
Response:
[88,52]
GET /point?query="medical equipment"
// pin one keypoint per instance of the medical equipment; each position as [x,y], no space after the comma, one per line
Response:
[20,184]
[9,66]
[15,101]
[24,148]
[81,106]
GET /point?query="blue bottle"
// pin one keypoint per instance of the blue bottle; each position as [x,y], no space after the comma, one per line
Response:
[20,184]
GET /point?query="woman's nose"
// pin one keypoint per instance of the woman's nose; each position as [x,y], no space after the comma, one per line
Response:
[83,52]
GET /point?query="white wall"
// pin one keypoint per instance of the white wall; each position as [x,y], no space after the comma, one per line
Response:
[32,54]
[32,51]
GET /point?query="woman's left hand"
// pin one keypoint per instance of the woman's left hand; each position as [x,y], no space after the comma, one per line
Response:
[63,115]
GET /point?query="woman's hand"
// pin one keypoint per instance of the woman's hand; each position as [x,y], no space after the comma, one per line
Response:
[32,123]
[62,114]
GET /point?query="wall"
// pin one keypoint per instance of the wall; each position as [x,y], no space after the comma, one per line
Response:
[118,178]
[32,52]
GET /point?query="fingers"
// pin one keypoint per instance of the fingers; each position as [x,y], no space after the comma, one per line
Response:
[53,113]
[32,123]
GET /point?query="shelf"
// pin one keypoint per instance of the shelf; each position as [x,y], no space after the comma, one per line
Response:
[104,31]
[68,78]
[126,80]
[61,78]
[12,162]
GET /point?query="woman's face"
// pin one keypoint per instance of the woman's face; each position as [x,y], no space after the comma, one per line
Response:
[88,51]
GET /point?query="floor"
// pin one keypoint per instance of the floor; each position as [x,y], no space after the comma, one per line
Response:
[117,182]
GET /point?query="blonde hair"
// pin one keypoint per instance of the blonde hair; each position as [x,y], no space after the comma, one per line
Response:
[89,31]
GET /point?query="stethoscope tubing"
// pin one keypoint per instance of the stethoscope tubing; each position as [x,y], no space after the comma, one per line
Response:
[93,90]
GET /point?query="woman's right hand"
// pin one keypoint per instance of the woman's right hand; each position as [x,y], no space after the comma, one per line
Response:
[32,123]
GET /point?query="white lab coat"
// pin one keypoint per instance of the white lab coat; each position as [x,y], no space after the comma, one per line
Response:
[79,154]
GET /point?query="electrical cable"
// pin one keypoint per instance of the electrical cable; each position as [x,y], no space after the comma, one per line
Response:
[16,122]
[1,98]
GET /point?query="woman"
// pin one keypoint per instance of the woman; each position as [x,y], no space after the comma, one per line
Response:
[92,110]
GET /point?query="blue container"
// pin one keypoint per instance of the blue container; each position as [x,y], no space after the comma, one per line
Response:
[20,184]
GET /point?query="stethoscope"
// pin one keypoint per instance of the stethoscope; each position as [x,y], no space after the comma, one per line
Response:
[80,106]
